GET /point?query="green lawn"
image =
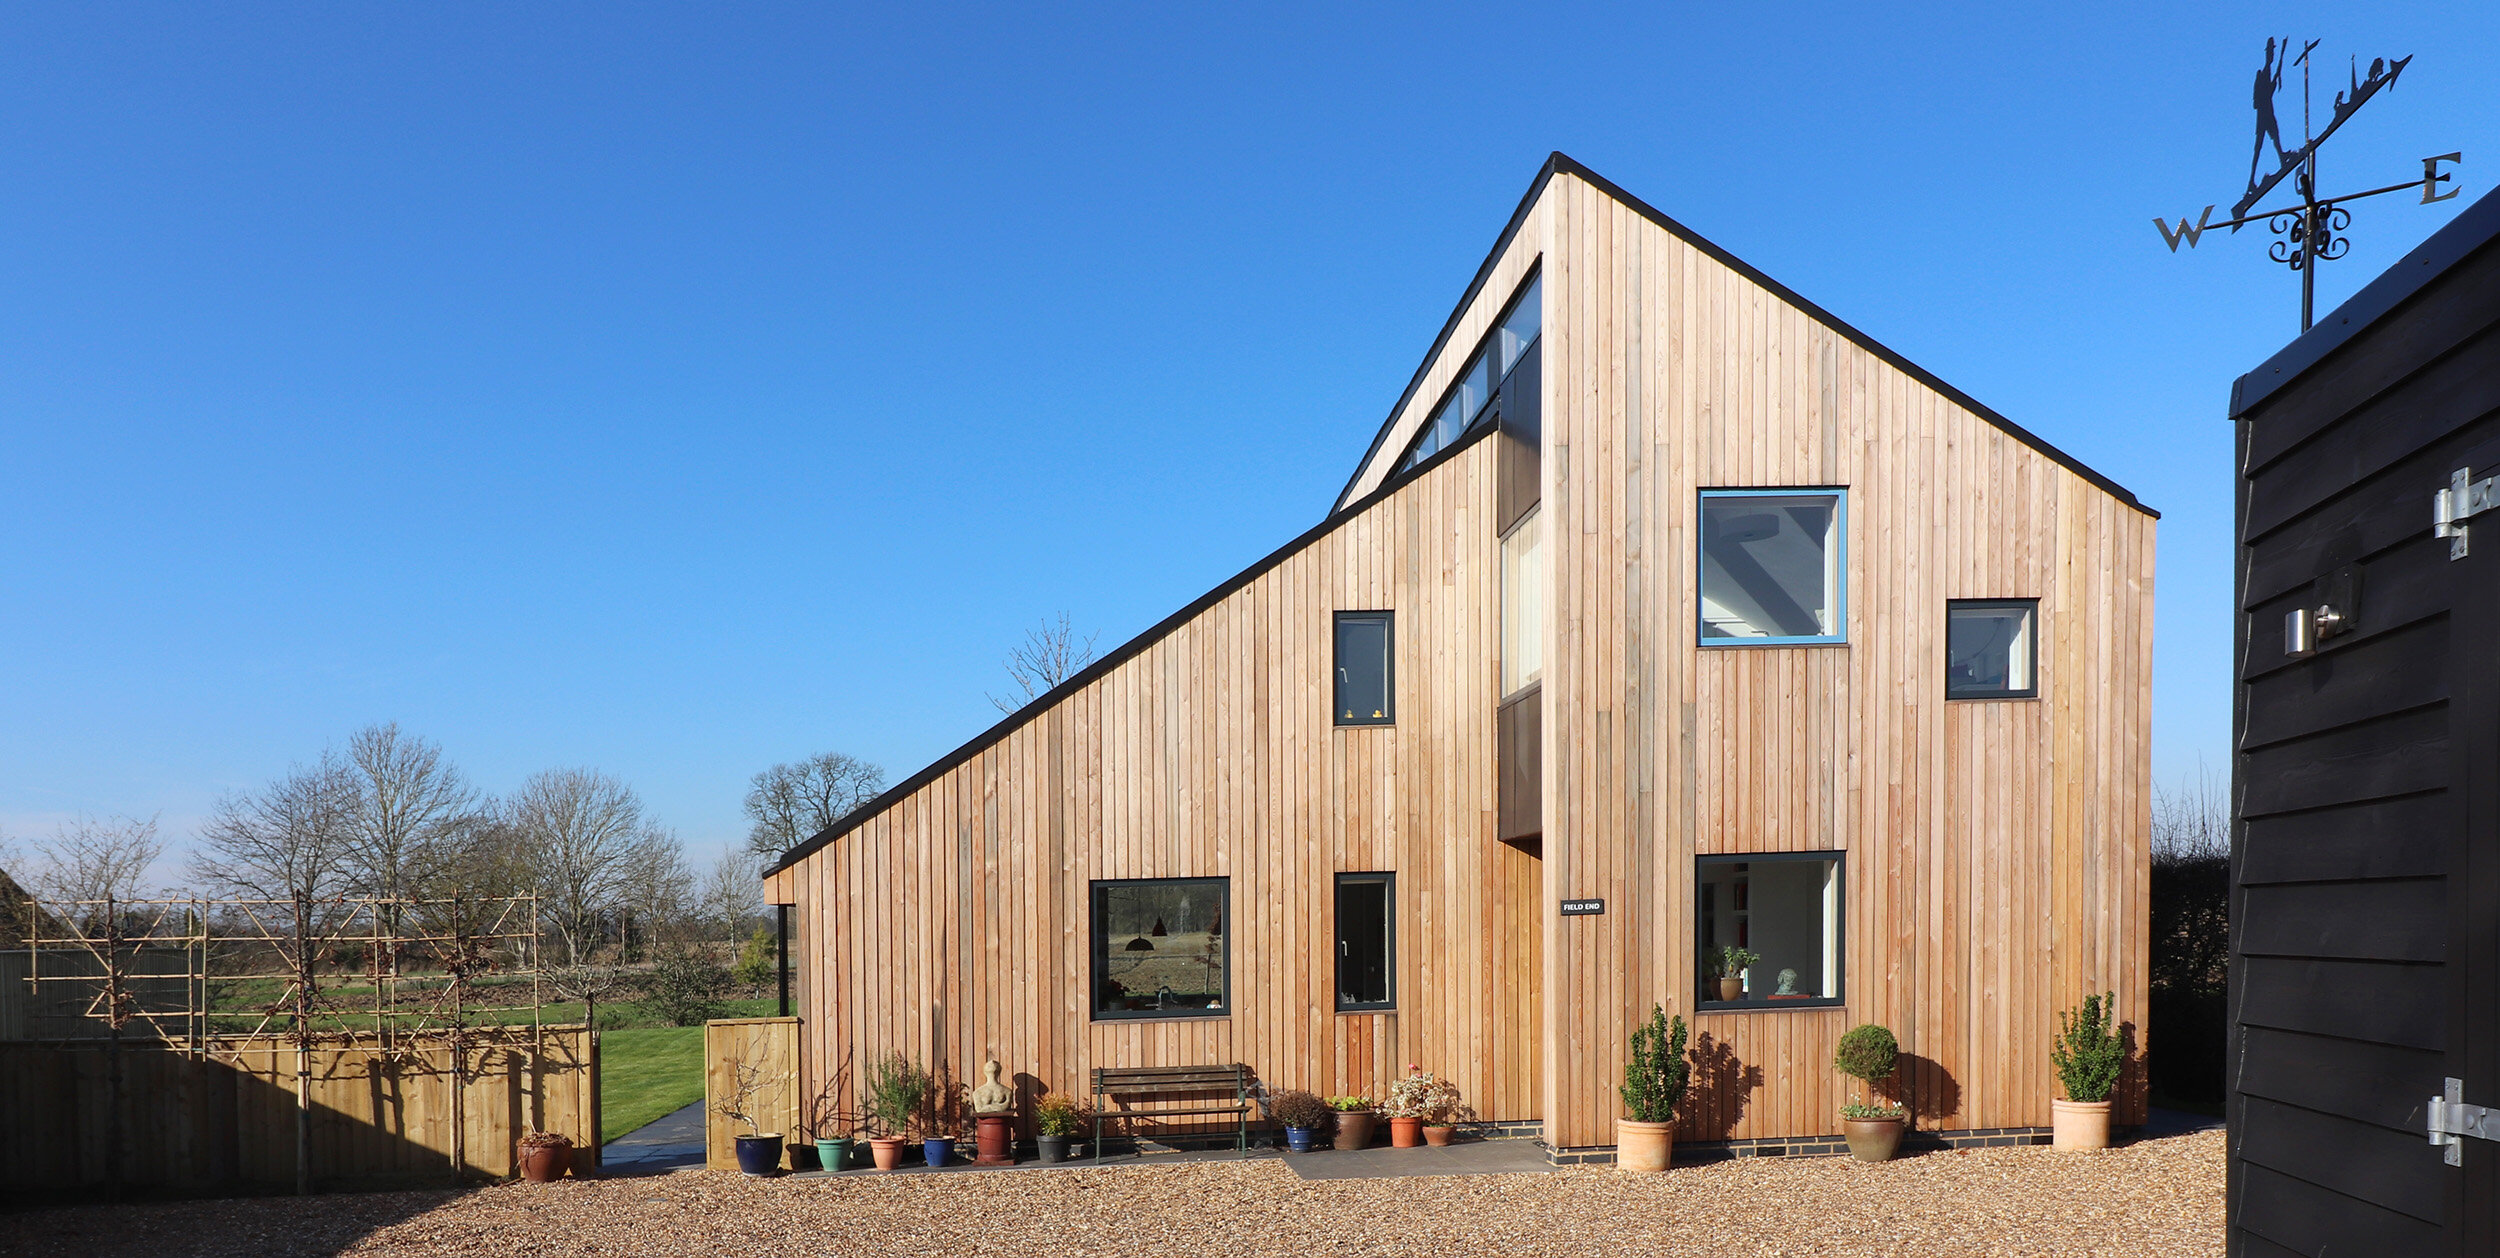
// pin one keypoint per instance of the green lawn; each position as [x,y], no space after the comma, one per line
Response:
[646,1073]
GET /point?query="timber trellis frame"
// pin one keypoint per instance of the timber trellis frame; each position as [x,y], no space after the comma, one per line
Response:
[224,944]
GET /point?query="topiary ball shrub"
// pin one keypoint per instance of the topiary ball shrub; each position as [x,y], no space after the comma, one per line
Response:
[1867,1052]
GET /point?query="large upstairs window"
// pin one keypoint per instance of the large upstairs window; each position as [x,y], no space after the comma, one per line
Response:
[1772,566]
[1490,373]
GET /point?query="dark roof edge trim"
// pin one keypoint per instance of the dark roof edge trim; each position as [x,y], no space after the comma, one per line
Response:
[1119,655]
[1484,272]
[1860,339]
[2477,225]
[1564,163]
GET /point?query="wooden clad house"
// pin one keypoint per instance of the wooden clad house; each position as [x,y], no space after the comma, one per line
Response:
[2365,863]
[1665,612]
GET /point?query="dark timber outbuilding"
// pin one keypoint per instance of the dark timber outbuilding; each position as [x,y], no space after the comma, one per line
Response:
[2365,965]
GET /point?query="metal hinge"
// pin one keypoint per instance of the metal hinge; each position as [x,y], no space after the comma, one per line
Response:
[2451,1120]
[2463,497]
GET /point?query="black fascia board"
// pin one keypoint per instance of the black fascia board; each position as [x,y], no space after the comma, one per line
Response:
[2476,226]
[1120,655]
[1564,164]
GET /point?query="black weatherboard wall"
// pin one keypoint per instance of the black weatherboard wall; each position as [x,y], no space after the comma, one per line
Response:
[2365,914]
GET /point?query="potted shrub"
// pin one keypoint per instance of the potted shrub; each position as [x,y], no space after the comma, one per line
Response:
[1355,1120]
[1869,1054]
[544,1156]
[1059,1120]
[1302,1114]
[1430,1103]
[1653,1085]
[829,1127]
[1731,962]
[1403,1105]
[759,1151]
[897,1089]
[2088,1053]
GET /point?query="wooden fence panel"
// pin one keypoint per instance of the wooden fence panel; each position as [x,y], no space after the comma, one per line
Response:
[770,1044]
[227,1119]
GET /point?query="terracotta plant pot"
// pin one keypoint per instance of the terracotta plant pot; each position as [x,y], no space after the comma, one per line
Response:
[1873,1139]
[1405,1133]
[542,1165]
[1439,1136]
[994,1140]
[1731,989]
[1354,1128]
[1640,1146]
[2079,1124]
[887,1150]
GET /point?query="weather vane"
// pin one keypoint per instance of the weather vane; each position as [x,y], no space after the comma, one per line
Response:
[2312,231]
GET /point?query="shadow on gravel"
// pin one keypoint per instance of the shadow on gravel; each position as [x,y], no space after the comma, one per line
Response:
[226,1227]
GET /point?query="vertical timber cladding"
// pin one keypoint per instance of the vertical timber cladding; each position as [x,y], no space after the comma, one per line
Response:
[953,925]
[1997,850]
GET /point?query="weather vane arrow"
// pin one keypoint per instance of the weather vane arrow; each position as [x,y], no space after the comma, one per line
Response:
[2313,230]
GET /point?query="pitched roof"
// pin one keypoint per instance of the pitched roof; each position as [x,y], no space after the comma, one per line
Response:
[1556,163]
[1561,163]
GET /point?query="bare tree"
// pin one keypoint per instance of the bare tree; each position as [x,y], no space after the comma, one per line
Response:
[790,803]
[732,894]
[578,832]
[1048,656]
[658,894]
[408,800]
[91,860]
[288,842]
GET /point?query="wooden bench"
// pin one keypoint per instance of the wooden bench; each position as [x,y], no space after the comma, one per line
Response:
[1200,1081]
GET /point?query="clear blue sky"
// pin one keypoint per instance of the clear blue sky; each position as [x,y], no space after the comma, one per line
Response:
[680,389]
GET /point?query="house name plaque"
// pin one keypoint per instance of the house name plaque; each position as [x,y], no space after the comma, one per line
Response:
[1582,908]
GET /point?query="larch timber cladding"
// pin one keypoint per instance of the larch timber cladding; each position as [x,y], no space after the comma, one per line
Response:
[1996,850]
[953,926]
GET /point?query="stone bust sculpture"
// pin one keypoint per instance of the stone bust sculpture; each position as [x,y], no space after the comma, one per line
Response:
[1788,983]
[992,1097]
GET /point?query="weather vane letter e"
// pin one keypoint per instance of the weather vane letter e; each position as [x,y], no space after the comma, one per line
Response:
[2312,231]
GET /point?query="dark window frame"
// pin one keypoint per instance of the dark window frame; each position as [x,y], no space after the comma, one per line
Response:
[1485,345]
[1388,881]
[1839,636]
[1099,956]
[1840,928]
[1952,605]
[1388,669]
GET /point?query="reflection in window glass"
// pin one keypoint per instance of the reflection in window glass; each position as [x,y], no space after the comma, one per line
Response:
[1520,329]
[1159,949]
[1786,911]
[1364,669]
[1523,603]
[1992,649]
[1494,360]
[1366,940]
[1771,566]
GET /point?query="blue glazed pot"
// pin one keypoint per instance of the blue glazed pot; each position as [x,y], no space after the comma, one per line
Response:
[937,1149]
[759,1155]
[1298,1139]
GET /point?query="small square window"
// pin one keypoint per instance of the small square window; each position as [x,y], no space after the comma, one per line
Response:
[1160,949]
[1772,567]
[1769,929]
[1992,649]
[1367,942]
[1366,677]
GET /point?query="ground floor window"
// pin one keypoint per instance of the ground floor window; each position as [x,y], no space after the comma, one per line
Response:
[1769,929]
[1159,948]
[1366,941]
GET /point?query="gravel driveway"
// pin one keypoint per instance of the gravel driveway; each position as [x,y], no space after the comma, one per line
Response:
[2159,1197]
